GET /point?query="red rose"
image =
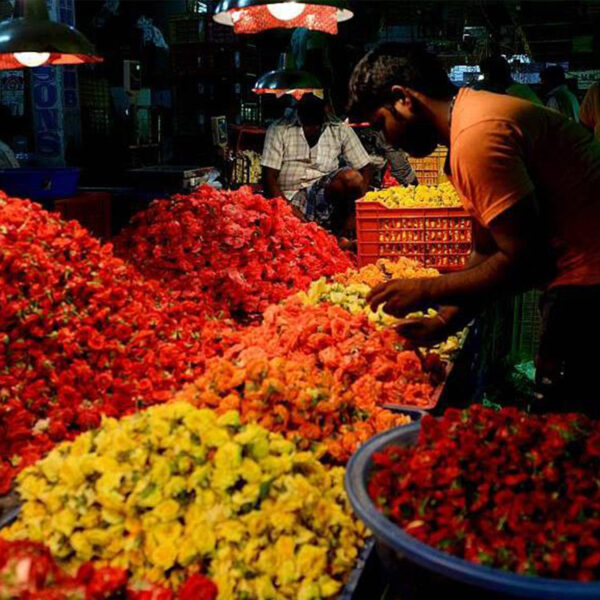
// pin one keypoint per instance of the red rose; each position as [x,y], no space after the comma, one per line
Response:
[198,587]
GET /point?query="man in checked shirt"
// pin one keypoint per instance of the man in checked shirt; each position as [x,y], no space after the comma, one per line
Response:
[301,162]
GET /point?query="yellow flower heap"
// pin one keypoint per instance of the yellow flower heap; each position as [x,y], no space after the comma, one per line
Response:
[174,489]
[420,196]
[350,290]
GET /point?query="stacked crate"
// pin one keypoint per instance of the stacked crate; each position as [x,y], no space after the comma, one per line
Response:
[94,96]
[430,170]
[527,325]
[214,72]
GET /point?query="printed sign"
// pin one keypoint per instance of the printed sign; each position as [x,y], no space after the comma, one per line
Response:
[48,116]
[55,100]
[585,79]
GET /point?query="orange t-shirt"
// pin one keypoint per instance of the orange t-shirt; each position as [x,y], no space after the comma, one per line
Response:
[503,149]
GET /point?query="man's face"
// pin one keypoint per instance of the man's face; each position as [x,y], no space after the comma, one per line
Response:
[311,109]
[407,128]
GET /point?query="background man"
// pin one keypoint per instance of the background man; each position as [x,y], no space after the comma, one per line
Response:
[498,78]
[589,112]
[384,156]
[301,162]
[558,95]
[534,224]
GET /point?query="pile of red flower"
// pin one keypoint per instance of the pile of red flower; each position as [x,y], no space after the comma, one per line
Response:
[81,334]
[504,489]
[370,363]
[239,249]
[28,572]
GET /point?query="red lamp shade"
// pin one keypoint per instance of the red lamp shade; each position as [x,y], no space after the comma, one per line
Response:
[254,16]
[289,81]
[31,39]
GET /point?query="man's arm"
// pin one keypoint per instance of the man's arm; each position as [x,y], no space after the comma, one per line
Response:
[400,166]
[367,175]
[271,183]
[272,161]
[587,110]
[517,261]
[426,331]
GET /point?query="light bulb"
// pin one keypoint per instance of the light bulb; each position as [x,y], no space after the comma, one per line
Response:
[31,59]
[286,11]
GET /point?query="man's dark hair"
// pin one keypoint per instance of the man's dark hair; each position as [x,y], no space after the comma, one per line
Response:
[496,68]
[553,76]
[392,64]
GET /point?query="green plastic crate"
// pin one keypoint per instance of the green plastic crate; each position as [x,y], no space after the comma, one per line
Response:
[527,325]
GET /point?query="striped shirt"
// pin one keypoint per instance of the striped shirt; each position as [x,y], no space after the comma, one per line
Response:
[287,151]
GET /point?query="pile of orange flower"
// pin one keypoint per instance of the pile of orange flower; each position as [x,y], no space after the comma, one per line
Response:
[307,405]
[384,270]
[371,363]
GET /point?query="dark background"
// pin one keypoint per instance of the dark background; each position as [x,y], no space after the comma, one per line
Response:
[208,71]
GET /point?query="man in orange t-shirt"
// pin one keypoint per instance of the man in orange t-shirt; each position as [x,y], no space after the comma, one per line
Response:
[531,180]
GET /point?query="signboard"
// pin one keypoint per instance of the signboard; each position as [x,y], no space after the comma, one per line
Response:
[46,94]
[55,100]
[70,83]
[585,79]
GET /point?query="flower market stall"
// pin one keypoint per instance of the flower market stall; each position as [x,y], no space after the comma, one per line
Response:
[288,300]
[251,329]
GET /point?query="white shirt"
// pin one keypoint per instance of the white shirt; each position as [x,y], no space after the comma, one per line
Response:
[287,151]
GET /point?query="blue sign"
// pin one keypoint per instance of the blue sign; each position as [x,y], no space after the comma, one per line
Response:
[48,116]
[55,100]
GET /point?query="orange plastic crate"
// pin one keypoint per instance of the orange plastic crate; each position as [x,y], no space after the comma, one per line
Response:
[437,237]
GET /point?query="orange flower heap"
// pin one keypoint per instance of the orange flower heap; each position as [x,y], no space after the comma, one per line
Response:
[384,270]
[291,397]
[367,361]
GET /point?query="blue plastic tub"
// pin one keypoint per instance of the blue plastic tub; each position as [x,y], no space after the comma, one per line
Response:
[40,183]
[418,571]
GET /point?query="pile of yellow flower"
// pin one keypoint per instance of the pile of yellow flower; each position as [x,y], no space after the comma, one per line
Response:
[246,167]
[175,489]
[420,196]
[351,289]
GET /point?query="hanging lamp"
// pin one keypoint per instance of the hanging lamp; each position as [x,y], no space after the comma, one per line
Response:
[31,39]
[289,80]
[254,16]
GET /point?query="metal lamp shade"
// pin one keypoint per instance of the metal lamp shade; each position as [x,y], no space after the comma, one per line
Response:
[289,81]
[254,16]
[32,31]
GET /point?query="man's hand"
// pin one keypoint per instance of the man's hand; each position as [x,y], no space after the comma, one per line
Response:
[423,331]
[400,296]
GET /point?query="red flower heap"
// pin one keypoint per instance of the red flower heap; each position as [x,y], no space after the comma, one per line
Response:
[502,489]
[368,362]
[239,249]
[81,334]
[28,572]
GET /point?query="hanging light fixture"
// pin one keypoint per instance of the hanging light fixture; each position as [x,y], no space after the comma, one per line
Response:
[289,80]
[254,16]
[31,39]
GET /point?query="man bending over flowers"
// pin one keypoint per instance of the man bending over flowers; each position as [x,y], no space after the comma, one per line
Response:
[535,225]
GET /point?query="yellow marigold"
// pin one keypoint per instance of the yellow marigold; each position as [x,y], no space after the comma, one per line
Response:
[210,491]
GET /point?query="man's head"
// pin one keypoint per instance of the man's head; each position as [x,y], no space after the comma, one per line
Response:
[496,70]
[552,77]
[389,87]
[311,110]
